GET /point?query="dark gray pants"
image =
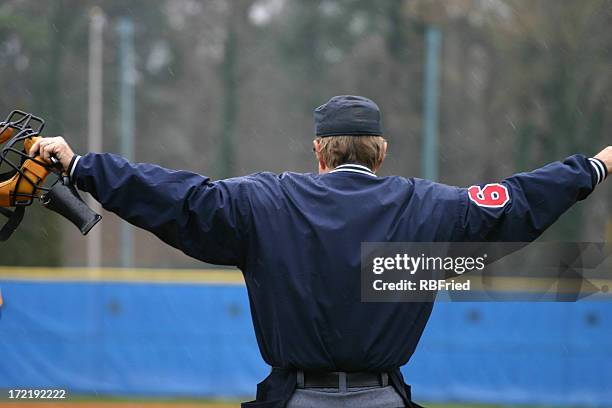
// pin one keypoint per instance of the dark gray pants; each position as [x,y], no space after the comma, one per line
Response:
[365,397]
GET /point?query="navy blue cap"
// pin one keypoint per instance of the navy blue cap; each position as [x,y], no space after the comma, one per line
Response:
[348,115]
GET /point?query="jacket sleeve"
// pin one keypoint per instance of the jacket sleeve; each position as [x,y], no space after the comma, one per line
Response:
[202,218]
[522,207]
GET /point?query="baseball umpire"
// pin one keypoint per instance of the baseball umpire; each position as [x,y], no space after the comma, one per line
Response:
[297,238]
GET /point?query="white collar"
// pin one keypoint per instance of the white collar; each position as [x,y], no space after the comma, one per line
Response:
[353,168]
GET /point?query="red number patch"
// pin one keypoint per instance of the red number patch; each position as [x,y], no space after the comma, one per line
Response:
[492,195]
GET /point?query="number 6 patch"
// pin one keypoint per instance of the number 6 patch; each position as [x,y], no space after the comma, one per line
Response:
[492,195]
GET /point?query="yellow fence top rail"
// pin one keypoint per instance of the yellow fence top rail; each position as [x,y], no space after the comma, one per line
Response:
[135,275]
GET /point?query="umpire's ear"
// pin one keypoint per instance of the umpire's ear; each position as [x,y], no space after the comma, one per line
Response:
[316,147]
[382,157]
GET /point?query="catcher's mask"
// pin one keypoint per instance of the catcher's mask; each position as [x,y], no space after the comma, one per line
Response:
[25,179]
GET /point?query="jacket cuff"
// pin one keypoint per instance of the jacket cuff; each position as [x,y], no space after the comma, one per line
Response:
[72,166]
[600,170]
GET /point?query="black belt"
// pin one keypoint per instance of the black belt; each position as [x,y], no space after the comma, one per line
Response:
[340,379]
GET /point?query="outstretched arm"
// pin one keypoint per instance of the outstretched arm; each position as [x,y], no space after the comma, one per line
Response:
[186,210]
[522,207]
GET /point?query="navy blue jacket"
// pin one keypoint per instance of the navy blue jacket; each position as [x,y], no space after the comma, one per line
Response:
[296,238]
